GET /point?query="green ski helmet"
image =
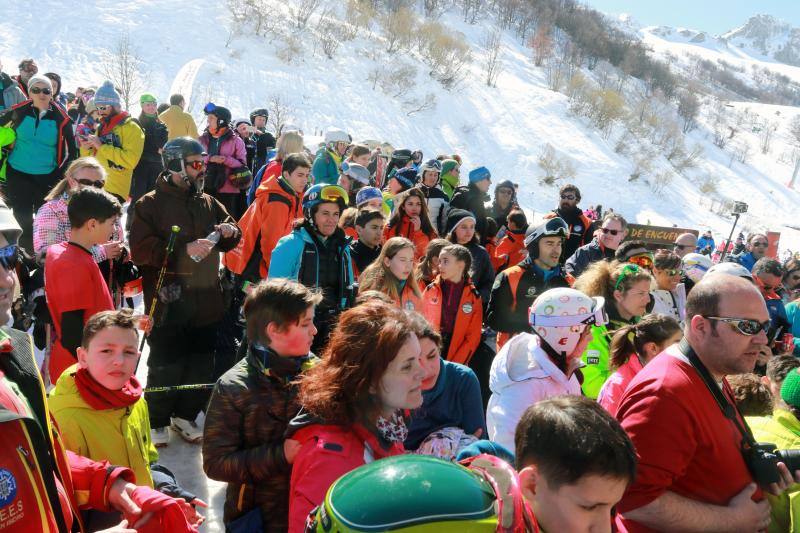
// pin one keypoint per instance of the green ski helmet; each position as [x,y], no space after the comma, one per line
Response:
[421,494]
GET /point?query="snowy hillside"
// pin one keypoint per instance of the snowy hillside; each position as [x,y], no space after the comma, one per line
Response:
[505,127]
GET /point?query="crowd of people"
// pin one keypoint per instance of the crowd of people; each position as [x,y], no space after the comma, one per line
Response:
[320,317]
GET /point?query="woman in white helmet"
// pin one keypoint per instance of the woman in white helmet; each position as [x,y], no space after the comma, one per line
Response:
[532,367]
[328,161]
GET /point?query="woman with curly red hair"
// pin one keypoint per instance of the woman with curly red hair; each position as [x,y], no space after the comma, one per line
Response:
[352,402]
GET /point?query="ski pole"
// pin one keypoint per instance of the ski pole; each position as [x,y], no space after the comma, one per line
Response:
[195,386]
[152,312]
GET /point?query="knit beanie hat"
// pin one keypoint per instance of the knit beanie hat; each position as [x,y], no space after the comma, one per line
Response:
[456,217]
[147,98]
[406,176]
[479,174]
[107,95]
[448,165]
[366,194]
[40,78]
[790,390]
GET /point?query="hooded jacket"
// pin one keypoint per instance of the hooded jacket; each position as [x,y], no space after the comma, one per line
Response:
[328,452]
[43,142]
[123,143]
[468,327]
[249,411]
[522,375]
[199,295]
[10,94]
[121,436]
[267,219]
[326,167]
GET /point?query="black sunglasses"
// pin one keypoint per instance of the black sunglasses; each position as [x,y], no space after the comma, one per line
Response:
[568,197]
[607,231]
[43,90]
[745,326]
[91,183]
[9,256]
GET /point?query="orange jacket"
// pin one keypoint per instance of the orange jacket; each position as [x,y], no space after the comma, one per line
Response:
[469,320]
[267,219]
[509,252]
[406,229]
[409,299]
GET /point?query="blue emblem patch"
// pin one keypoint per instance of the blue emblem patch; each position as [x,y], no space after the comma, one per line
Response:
[8,487]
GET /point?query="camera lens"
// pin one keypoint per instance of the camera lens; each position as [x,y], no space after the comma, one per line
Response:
[791,458]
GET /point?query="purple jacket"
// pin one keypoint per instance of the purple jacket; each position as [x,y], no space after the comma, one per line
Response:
[235,153]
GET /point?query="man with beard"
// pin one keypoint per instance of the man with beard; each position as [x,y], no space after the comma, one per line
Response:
[516,288]
[580,227]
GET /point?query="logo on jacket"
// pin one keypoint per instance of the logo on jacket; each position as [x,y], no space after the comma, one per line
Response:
[531,292]
[577,228]
[593,357]
[8,487]
[467,308]
[409,305]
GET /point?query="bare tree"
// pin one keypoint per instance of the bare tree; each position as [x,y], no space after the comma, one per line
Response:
[123,66]
[494,65]
[794,130]
[470,10]
[688,109]
[432,8]
[542,44]
[328,37]
[418,105]
[766,135]
[398,28]
[303,11]
[279,112]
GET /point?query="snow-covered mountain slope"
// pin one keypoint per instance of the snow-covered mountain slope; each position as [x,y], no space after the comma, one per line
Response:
[505,128]
[768,36]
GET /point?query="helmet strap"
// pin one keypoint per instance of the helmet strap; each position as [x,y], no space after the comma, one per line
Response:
[558,358]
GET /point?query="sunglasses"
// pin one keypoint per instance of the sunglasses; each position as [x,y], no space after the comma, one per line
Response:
[91,183]
[761,244]
[745,326]
[682,246]
[671,271]
[103,107]
[629,269]
[643,260]
[42,90]
[197,165]
[607,231]
[9,255]
[568,197]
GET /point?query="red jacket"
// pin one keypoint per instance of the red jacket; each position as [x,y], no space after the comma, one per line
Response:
[267,219]
[406,229]
[469,320]
[327,453]
[509,252]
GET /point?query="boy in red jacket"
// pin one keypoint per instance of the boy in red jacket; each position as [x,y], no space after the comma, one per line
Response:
[73,283]
[511,248]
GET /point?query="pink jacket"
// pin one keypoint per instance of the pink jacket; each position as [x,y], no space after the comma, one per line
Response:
[235,153]
[612,390]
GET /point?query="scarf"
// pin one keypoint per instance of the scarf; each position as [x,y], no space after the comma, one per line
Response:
[107,126]
[394,429]
[100,398]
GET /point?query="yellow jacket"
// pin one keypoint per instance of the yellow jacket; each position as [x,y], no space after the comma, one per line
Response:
[179,123]
[119,154]
[120,436]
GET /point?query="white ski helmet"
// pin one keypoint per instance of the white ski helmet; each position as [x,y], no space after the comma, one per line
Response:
[732,269]
[695,266]
[333,136]
[559,317]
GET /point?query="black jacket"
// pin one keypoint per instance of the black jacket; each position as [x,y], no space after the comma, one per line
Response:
[510,314]
[482,271]
[155,137]
[362,255]
[264,143]
[473,200]
[585,256]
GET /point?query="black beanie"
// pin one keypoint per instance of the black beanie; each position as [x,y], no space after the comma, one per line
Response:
[454,218]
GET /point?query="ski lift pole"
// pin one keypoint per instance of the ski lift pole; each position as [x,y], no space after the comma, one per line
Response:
[151,313]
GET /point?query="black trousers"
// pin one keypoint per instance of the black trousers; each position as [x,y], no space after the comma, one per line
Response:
[235,203]
[25,194]
[179,355]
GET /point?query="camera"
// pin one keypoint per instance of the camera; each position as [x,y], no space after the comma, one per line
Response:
[739,208]
[762,461]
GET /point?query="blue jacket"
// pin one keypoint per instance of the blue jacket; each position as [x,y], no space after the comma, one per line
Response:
[454,401]
[745,259]
[325,168]
[704,243]
[43,142]
[296,256]
[793,316]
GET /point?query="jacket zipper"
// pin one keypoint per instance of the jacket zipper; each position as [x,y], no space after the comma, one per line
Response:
[29,467]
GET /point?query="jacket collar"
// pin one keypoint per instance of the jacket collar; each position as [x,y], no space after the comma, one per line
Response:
[547,366]
[268,363]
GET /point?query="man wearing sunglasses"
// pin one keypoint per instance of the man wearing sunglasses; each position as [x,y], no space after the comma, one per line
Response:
[118,142]
[190,303]
[10,93]
[685,243]
[767,275]
[607,239]
[680,414]
[27,70]
[755,249]
[44,146]
[580,227]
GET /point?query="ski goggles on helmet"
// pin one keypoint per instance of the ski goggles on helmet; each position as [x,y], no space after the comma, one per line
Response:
[745,326]
[594,317]
[555,227]
[197,165]
[644,260]
[333,193]
[9,256]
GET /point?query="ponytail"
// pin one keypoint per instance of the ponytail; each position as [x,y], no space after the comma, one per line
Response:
[630,340]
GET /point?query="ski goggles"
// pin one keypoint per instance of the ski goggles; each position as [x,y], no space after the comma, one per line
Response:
[596,317]
[9,256]
[644,260]
[745,326]
[333,193]
[197,165]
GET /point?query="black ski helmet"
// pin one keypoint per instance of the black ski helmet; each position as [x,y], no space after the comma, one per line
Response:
[260,112]
[177,150]
[554,227]
[223,115]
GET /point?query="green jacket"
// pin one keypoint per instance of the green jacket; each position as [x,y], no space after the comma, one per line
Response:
[783,430]
[449,182]
[597,355]
[120,436]
[7,138]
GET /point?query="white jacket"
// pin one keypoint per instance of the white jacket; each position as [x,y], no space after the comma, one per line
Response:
[522,374]
[671,303]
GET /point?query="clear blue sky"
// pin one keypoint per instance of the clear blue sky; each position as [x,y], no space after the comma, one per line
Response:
[715,16]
